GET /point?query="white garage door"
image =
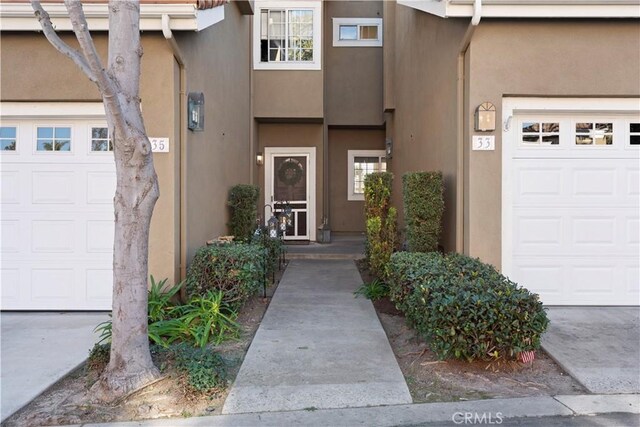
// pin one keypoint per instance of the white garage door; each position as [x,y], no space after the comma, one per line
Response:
[58,182]
[571,201]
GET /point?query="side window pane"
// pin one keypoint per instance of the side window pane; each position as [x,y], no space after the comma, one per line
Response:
[51,138]
[8,138]
[348,32]
[594,133]
[369,32]
[634,133]
[100,140]
[541,133]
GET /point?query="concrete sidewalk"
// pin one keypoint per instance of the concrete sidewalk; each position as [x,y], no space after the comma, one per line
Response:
[445,413]
[318,347]
[40,348]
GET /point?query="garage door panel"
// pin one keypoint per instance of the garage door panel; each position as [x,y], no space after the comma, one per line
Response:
[53,187]
[10,187]
[101,187]
[57,222]
[571,208]
[10,284]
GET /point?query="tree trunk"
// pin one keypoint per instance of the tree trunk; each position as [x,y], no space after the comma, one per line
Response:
[130,366]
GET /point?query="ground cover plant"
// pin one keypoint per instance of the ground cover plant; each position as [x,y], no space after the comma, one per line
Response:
[423,200]
[464,308]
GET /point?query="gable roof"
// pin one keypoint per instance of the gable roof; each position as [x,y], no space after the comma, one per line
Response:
[184,15]
[529,8]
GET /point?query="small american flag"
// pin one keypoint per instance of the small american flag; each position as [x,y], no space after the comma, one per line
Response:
[527,356]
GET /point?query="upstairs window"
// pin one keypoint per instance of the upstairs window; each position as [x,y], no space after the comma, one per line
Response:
[287,35]
[357,32]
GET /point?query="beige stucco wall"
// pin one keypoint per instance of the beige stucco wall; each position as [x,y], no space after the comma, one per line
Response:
[32,70]
[425,87]
[347,215]
[217,64]
[288,94]
[293,135]
[353,75]
[583,58]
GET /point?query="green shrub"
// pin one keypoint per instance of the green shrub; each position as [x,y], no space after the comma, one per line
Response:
[423,196]
[374,290]
[465,308]
[236,269]
[205,369]
[160,300]
[380,219]
[243,203]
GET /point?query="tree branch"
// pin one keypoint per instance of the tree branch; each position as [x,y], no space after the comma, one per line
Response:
[55,40]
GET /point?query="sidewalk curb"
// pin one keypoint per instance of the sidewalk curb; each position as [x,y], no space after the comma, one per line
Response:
[445,412]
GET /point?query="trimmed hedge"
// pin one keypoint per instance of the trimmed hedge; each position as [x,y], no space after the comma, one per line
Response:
[423,196]
[465,308]
[237,269]
[380,219]
[243,200]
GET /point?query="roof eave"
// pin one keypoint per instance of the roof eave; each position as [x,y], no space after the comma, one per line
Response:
[183,17]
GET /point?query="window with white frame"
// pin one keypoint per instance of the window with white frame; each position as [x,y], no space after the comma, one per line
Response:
[357,32]
[100,140]
[634,133]
[287,35]
[8,138]
[53,138]
[361,163]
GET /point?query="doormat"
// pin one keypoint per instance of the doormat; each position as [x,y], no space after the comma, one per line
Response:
[296,242]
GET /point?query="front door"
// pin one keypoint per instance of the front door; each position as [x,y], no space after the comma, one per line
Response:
[290,180]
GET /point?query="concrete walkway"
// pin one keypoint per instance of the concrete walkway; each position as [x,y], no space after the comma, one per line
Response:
[598,346]
[38,349]
[318,347]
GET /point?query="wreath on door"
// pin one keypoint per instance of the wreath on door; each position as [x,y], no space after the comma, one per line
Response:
[290,172]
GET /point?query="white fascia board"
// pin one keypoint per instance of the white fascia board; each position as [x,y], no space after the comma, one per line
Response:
[533,9]
[208,17]
[184,17]
[66,110]
[434,7]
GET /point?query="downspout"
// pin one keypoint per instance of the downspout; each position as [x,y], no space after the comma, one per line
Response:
[175,49]
[460,187]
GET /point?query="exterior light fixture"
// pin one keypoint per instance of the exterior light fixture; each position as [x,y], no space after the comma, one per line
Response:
[259,159]
[388,144]
[485,117]
[195,111]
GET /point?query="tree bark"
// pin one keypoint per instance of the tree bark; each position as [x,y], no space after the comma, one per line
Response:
[130,366]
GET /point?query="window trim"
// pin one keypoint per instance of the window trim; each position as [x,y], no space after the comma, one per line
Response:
[69,152]
[351,155]
[316,7]
[359,22]
[90,128]
[17,150]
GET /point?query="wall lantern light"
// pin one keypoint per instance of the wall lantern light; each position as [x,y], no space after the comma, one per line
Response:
[388,143]
[195,111]
[485,117]
[259,159]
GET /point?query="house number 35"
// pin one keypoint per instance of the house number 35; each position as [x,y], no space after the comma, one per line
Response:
[159,145]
